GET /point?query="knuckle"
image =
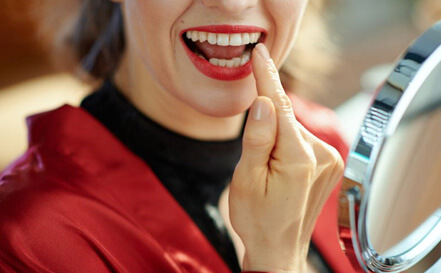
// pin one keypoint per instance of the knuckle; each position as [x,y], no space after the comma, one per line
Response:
[257,140]
[329,154]
[335,162]
[335,157]
[283,101]
[272,69]
[335,172]
[339,166]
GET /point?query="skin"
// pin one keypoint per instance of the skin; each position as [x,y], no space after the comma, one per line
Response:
[282,180]
[285,173]
[159,78]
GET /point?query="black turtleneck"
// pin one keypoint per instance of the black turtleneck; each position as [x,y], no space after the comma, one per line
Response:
[195,172]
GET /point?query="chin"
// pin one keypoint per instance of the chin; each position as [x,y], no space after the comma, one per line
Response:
[216,98]
[225,108]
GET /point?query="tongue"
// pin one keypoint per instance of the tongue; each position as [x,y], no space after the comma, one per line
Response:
[220,52]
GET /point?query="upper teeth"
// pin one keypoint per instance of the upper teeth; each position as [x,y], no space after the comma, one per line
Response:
[222,39]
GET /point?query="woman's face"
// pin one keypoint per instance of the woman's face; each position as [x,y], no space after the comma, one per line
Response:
[170,36]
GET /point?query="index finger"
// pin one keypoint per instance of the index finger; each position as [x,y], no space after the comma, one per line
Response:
[290,144]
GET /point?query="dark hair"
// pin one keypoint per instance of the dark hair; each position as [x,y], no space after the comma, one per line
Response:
[84,36]
[98,37]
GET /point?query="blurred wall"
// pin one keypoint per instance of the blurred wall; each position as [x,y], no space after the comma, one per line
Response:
[21,56]
[368,33]
[28,84]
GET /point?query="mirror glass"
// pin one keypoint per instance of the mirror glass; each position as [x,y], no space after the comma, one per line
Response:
[390,202]
[406,185]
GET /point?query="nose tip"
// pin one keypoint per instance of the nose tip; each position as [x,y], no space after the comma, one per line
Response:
[230,6]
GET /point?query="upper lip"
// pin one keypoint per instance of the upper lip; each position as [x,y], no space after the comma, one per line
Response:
[226,29]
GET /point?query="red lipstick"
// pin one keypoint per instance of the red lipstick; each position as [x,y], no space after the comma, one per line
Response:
[218,72]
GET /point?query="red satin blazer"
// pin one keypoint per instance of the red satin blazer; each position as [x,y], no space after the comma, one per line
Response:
[79,201]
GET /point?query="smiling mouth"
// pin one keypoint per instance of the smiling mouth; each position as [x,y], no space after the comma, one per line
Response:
[229,50]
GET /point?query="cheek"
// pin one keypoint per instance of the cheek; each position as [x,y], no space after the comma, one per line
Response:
[151,30]
[159,11]
[151,22]
[286,16]
[286,9]
[156,19]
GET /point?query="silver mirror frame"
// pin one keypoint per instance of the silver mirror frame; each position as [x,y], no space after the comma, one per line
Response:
[382,119]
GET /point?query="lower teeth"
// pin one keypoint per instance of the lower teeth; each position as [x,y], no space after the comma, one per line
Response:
[235,62]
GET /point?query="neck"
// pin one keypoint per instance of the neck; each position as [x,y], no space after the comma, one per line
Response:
[162,107]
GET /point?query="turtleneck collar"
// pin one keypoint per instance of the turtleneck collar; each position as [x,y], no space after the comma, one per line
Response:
[152,141]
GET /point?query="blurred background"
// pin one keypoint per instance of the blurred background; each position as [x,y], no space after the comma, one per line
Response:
[369,36]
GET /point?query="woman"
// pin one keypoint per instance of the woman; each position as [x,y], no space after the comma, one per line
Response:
[80,201]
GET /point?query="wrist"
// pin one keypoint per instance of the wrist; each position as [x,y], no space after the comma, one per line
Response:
[274,261]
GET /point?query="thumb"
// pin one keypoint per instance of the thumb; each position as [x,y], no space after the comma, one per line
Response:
[260,134]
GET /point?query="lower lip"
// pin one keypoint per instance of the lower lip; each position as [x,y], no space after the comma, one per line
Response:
[217,72]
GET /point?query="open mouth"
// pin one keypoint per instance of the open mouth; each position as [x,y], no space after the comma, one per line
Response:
[222,52]
[223,49]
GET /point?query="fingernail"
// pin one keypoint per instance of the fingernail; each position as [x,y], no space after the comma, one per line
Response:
[263,51]
[260,110]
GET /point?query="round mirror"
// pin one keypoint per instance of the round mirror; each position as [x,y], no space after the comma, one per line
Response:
[390,202]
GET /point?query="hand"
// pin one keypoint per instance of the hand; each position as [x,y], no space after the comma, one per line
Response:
[282,180]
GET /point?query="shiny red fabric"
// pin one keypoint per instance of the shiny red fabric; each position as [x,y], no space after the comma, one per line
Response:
[79,201]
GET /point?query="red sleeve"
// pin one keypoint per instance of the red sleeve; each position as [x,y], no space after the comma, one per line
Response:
[35,238]
[63,232]
[80,201]
[48,226]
